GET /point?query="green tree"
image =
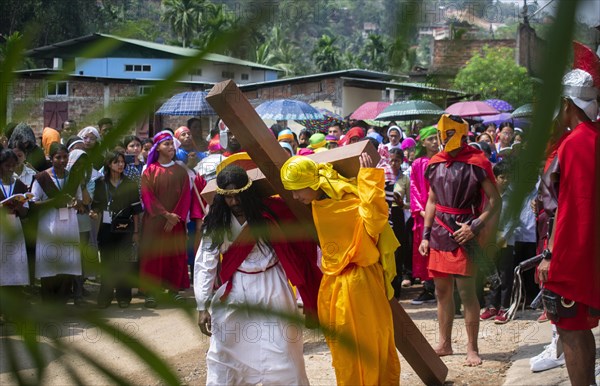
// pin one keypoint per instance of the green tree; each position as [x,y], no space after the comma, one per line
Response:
[494,74]
[182,16]
[375,53]
[326,54]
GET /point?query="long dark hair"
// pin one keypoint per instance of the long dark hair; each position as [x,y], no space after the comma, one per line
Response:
[217,222]
[109,158]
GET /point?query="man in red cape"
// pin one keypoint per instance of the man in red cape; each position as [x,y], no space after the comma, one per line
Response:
[570,270]
[454,215]
[259,255]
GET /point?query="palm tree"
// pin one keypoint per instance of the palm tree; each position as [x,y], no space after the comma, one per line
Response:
[374,52]
[182,15]
[212,21]
[263,54]
[326,55]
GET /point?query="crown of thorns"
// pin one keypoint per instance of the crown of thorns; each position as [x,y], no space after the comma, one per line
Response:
[231,192]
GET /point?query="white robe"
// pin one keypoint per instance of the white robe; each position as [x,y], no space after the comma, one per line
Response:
[57,248]
[249,349]
[13,255]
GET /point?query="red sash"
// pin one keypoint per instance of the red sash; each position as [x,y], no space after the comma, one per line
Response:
[298,258]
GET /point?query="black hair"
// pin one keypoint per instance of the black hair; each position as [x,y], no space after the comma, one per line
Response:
[67,121]
[72,139]
[104,121]
[502,168]
[192,120]
[397,151]
[130,138]
[485,147]
[306,132]
[213,132]
[507,124]
[373,141]
[109,158]
[6,155]
[457,118]
[276,128]
[217,222]
[55,148]
[147,140]
[479,128]
[169,130]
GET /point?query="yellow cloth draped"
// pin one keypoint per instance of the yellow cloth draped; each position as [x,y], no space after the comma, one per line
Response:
[353,228]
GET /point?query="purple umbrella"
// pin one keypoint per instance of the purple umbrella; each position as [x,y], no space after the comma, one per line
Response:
[505,117]
[500,105]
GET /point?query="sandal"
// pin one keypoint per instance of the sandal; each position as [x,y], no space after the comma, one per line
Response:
[178,298]
[150,302]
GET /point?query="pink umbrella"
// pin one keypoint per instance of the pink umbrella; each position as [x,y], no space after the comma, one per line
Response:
[471,109]
[369,110]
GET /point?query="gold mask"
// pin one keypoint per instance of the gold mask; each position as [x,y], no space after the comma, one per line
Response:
[460,130]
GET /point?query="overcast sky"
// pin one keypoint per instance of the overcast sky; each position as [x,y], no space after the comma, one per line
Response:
[588,11]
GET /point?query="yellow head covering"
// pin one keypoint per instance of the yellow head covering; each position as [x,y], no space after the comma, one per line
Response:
[300,172]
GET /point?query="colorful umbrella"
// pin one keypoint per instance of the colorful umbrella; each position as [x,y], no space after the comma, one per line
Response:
[287,110]
[524,111]
[329,118]
[500,105]
[471,109]
[369,110]
[409,110]
[187,103]
[504,117]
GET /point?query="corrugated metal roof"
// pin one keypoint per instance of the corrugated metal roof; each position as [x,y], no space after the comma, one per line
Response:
[423,86]
[173,50]
[366,74]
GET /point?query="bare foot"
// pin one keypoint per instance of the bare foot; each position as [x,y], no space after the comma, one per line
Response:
[442,350]
[473,359]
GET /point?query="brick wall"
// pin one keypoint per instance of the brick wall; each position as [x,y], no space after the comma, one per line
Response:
[449,56]
[318,90]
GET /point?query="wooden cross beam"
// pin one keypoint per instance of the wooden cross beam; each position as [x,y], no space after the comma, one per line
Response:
[344,159]
[254,136]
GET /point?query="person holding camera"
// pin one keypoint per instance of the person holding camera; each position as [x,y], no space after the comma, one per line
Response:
[117,203]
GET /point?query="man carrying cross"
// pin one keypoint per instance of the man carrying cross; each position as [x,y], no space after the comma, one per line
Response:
[246,346]
[235,109]
[351,219]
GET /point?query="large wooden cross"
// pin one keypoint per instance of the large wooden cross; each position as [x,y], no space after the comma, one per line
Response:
[254,136]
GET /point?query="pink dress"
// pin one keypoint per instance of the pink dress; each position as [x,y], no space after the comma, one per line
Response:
[163,257]
[419,192]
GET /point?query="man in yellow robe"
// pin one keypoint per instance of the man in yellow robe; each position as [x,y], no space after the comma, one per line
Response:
[351,218]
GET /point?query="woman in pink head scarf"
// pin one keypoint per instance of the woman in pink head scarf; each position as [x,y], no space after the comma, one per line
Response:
[166,196]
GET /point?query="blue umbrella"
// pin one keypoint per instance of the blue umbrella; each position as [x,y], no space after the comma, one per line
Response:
[329,118]
[287,110]
[187,103]
[500,105]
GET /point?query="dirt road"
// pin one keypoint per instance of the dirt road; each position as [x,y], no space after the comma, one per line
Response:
[174,336]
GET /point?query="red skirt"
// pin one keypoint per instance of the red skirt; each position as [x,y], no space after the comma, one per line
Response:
[444,263]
